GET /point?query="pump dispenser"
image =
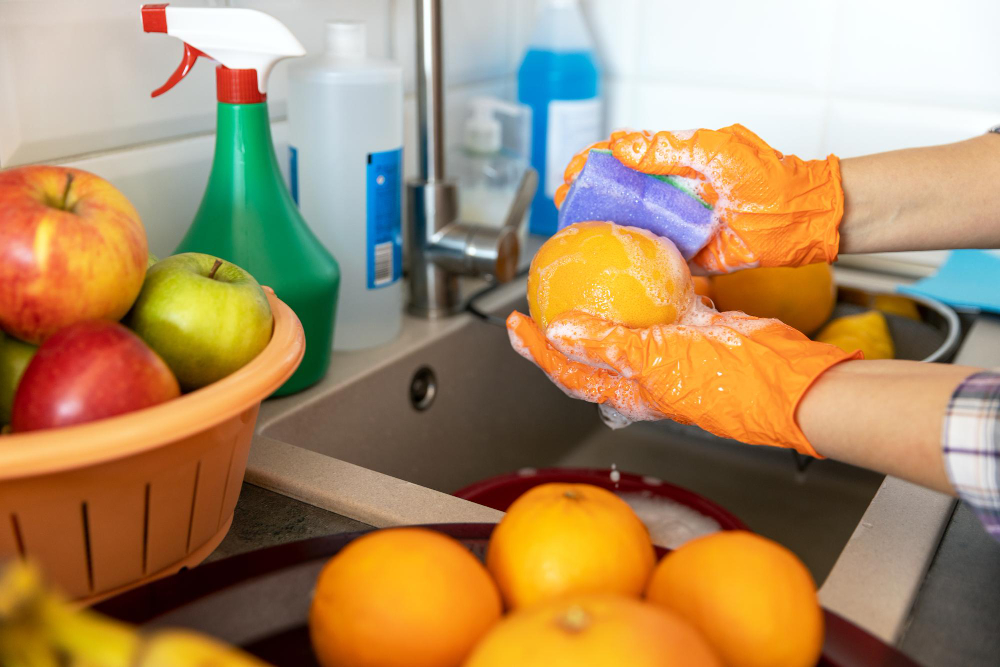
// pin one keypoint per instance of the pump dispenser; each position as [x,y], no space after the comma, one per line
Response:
[492,159]
[247,215]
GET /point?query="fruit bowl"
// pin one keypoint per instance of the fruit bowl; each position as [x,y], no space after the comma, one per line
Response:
[260,601]
[111,504]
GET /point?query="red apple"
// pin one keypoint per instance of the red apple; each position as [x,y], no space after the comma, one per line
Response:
[89,371]
[72,248]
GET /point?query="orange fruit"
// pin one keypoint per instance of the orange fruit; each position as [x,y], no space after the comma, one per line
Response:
[702,286]
[595,630]
[752,598]
[868,332]
[401,597]
[896,305]
[560,539]
[802,297]
[621,274]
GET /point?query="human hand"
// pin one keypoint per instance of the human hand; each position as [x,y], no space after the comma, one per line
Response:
[771,209]
[734,375]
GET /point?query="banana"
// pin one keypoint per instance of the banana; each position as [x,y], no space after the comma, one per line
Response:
[171,648]
[38,629]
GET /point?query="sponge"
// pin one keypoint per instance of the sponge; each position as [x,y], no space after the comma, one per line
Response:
[605,189]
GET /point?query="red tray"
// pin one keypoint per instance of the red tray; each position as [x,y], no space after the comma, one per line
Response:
[501,491]
[195,597]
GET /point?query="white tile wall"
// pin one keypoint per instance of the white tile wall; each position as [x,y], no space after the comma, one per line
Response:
[844,76]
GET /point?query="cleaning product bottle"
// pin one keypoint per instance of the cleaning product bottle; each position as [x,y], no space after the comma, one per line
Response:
[558,79]
[492,158]
[247,215]
[345,120]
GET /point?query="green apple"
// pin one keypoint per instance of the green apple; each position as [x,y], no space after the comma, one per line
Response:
[204,316]
[14,358]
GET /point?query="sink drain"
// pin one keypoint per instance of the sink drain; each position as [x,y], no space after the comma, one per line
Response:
[423,388]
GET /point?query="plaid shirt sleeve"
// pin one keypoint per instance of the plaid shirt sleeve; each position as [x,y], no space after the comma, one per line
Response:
[971,446]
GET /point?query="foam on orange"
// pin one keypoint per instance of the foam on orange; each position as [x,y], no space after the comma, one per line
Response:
[625,275]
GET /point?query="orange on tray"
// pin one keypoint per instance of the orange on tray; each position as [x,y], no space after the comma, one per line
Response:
[752,598]
[563,539]
[593,631]
[802,297]
[868,332]
[407,597]
[621,274]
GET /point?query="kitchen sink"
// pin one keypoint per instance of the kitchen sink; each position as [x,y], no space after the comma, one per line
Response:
[392,432]
[492,412]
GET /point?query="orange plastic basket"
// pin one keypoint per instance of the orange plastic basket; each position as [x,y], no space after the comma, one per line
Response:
[108,505]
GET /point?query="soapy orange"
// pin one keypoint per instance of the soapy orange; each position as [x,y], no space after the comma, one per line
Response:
[868,332]
[562,539]
[802,297]
[403,597]
[751,598]
[621,274]
[593,631]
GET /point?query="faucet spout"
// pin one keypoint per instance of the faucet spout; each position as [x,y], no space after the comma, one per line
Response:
[441,248]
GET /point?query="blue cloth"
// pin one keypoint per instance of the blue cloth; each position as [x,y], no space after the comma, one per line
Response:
[969,278]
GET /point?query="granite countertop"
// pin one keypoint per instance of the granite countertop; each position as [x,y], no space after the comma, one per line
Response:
[264,519]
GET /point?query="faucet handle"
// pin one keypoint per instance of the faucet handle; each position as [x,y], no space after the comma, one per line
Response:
[478,250]
[518,210]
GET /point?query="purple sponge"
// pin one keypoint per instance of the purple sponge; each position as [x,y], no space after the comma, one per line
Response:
[605,189]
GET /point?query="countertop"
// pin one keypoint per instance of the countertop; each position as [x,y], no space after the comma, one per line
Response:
[264,519]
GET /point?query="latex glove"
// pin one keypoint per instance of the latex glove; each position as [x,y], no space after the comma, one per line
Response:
[734,375]
[773,209]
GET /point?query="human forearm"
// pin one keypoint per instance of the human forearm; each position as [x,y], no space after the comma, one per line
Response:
[883,415]
[931,198]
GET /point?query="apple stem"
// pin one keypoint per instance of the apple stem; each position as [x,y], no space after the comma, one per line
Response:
[65,197]
[215,267]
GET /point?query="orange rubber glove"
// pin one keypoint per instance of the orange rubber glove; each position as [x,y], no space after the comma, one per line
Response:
[734,375]
[773,209]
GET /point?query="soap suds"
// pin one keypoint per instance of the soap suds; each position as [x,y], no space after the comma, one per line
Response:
[670,523]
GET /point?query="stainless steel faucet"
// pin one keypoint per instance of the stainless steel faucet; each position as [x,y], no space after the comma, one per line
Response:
[441,247]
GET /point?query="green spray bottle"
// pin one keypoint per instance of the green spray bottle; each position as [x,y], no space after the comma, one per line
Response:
[247,215]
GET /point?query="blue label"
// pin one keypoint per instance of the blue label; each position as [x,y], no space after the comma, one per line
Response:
[293,172]
[385,239]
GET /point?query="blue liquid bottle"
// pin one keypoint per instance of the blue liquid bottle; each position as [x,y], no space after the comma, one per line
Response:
[558,79]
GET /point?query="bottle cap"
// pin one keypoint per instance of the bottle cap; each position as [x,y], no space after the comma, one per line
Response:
[346,39]
[483,133]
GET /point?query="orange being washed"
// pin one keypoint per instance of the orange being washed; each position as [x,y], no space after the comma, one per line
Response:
[802,297]
[593,631]
[404,597]
[621,274]
[560,539]
[752,598]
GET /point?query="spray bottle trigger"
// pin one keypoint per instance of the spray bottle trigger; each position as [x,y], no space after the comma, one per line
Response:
[191,54]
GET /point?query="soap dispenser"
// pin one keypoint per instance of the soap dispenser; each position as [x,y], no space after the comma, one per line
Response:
[247,215]
[491,160]
[345,126]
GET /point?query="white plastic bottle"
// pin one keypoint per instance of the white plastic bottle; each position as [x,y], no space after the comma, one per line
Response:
[345,118]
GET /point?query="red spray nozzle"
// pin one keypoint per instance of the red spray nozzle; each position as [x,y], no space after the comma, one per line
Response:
[247,43]
[154,18]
